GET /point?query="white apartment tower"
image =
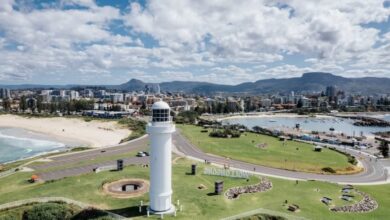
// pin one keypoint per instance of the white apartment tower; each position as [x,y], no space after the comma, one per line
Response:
[160,131]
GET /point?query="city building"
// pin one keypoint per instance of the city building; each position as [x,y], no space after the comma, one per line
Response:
[5,93]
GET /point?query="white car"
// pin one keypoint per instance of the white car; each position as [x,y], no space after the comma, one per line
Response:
[141,154]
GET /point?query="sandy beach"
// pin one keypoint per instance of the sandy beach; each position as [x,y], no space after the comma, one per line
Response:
[94,134]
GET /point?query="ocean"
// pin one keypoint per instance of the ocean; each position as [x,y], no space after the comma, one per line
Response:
[306,123]
[16,144]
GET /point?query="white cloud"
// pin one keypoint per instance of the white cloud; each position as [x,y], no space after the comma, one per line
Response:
[206,40]
[255,30]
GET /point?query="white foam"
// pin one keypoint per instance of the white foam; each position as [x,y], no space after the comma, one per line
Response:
[30,143]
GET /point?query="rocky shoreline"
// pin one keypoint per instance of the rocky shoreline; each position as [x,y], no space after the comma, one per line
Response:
[367,121]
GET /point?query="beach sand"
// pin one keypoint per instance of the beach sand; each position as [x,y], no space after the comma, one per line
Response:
[94,134]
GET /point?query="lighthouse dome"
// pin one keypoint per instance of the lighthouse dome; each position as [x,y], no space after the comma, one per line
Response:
[161,112]
[160,105]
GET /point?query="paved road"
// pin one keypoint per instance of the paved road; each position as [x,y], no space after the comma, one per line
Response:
[374,170]
[69,160]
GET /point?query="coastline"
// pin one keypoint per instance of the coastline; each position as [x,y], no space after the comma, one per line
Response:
[54,144]
[269,115]
[95,134]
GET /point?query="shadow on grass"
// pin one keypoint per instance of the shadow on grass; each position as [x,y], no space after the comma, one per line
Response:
[213,194]
[130,211]
[90,213]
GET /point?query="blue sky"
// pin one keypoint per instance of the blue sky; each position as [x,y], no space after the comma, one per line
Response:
[220,41]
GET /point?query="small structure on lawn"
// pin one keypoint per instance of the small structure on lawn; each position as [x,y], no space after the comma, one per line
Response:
[293,208]
[34,178]
[193,169]
[218,187]
[347,197]
[119,165]
[326,200]
[318,148]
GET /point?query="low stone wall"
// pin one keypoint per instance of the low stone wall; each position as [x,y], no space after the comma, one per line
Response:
[235,192]
[367,204]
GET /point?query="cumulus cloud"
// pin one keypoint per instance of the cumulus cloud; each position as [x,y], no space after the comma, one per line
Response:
[205,40]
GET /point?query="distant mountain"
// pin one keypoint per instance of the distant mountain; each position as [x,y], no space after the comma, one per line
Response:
[132,85]
[308,82]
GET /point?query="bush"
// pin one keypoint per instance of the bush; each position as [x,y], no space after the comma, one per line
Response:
[328,170]
[263,217]
[52,211]
[352,160]
[137,128]
[188,117]
[10,216]
[225,133]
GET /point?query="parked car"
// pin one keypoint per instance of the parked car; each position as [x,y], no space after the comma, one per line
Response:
[141,154]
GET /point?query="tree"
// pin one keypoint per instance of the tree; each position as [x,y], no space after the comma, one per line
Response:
[23,103]
[7,104]
[300,103]
[187,117]
[39,104]
[384,149]
[115,108]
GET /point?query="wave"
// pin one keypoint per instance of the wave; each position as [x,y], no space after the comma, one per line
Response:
[35,155]
[30,142]
[14,148]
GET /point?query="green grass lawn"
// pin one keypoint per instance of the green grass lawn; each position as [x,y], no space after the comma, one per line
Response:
[198,204]
[293,156]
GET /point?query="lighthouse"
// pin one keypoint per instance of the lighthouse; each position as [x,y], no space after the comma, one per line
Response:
[160,131]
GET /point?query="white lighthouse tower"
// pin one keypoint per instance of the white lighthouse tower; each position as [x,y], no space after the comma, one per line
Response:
[160,131]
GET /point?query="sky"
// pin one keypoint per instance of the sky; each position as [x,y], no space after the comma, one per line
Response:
[219,41]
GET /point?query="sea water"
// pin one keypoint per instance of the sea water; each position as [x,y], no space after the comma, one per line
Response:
[339,125]
[16,144]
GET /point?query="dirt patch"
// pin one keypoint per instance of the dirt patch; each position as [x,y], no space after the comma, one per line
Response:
[201,187]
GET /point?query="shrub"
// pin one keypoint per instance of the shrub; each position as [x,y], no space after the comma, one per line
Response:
[328,170]
[225,133]
[352,160]
[263,217]
[188,117]
[10,216]
[137,128]
[52,211]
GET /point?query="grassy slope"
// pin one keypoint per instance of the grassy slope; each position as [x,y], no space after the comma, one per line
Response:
[197,203]
[274,155]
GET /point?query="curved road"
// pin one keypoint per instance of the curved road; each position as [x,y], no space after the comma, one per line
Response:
[374,171]
[66,165]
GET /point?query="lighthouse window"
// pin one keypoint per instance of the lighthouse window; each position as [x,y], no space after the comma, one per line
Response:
[160,114]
